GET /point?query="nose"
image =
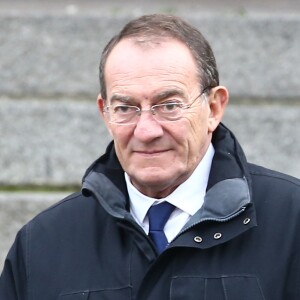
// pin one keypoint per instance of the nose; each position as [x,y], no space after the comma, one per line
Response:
[147,128]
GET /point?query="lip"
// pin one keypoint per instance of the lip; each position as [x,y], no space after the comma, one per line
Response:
[150,152]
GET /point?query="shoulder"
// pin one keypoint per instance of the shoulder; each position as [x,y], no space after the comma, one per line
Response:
[275,190]
[72,203]
[68,213]
[71,222]
[261,174]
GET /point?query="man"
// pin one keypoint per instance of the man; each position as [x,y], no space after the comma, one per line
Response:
[227,229]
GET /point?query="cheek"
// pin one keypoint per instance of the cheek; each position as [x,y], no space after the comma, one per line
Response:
[197,135]
[183,139]
[121,136]
[196,126]
[200,122]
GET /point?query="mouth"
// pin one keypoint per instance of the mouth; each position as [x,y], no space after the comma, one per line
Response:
[151,153]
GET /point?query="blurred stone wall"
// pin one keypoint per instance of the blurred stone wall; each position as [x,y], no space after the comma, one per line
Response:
[50,130]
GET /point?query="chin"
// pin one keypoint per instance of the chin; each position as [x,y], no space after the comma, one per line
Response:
[155,179]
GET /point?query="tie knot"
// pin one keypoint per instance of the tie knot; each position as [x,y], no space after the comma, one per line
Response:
[158,215]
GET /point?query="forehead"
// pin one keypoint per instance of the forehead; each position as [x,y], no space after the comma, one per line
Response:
[150,65]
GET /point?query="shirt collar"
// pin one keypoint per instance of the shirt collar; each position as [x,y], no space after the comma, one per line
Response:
[188,197]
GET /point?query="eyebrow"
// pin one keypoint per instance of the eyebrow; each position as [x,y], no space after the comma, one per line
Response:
[121,98]
[158,97]
[167,94]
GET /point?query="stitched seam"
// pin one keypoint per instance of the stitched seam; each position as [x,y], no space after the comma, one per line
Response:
[224,288]
[277,176]
[68,198]
[205,289]
[96,290]
[260,288]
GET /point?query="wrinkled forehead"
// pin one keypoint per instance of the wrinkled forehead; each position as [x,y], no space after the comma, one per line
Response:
[157,49]
[136,61]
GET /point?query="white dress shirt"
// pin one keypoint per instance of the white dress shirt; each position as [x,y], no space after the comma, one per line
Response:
[187,198]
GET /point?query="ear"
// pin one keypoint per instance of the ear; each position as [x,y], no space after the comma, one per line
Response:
[218,99]
[101,105]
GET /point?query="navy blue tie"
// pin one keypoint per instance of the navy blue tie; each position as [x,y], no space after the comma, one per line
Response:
[158,216]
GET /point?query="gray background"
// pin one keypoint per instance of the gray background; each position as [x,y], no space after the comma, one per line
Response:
[50,130]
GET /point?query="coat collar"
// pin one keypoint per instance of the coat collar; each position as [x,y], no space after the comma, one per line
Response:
[228,190]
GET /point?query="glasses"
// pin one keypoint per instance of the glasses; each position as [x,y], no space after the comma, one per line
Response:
[123,114]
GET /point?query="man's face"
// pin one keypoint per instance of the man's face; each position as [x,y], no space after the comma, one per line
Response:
[158,156]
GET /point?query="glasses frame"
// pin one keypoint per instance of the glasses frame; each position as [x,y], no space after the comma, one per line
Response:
[152,109]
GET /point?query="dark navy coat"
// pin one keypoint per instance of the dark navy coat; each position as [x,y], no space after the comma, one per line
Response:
[243,244]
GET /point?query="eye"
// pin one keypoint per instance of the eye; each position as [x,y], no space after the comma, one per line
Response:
[169,107]
[124,109]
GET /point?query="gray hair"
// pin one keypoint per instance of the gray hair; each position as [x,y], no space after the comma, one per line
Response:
[149,28]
